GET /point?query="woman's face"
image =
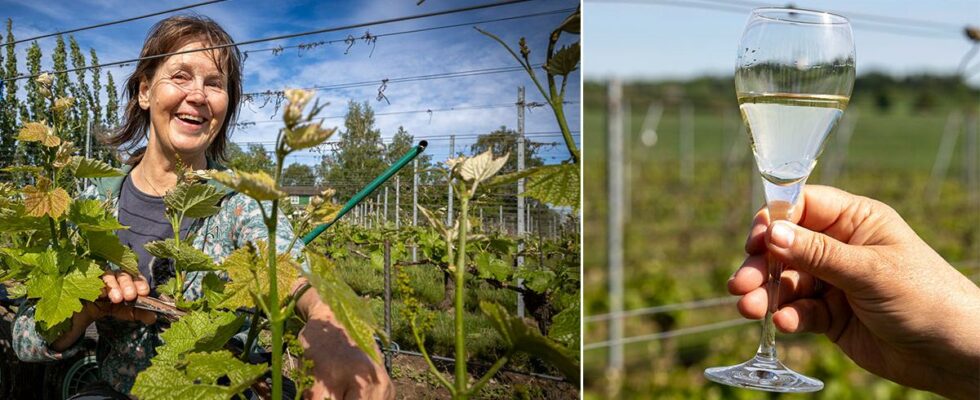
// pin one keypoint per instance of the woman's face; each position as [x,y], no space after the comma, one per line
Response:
[187,100]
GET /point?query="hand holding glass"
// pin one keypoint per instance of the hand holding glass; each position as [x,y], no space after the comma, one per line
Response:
[793,80]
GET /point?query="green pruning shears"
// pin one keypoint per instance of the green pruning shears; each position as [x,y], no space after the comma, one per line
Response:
[170,311]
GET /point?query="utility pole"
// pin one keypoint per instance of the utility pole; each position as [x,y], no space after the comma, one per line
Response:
[520,196]
[415,203]
[452,151]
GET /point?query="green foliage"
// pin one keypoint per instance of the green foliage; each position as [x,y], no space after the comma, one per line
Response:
[246,271]
[188,257]
[557,185]
[346,306]
[83,167]
[257,185]
[524,338]
[254,160]
[198,378]
[359,151]
[61,281]
[91,215]
[199,331]
[298,175]
[564,61]
[106,246]
[193,201]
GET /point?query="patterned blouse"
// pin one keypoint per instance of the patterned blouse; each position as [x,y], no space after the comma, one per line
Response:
[125,348]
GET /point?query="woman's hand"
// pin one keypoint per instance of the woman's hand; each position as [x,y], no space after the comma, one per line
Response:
[340,369]
[859,274]
[119,287]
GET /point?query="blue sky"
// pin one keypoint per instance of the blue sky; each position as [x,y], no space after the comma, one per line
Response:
[659,39]
[397,56]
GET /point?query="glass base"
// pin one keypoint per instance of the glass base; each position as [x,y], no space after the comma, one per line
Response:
[764,374]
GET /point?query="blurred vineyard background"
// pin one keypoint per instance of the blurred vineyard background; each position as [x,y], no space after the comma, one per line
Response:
[689,187]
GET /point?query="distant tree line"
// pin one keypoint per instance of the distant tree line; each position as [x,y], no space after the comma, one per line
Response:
[878,90]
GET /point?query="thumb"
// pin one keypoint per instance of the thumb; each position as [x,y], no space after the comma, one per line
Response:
[842,265]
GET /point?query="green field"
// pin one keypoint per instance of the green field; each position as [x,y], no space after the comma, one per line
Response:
[683,239]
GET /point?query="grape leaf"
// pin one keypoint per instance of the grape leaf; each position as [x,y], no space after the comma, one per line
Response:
[39,132]
[43,200]
[538,280]
[482,167]
[83,167]
[246,268]
[60,282]
[198,380]
[90,215]
[257,185]
[521,337]
[557,185]
[188,257]
[193,201]
[350,310]
[565,326]
[15,219]
[197,331]
[491,267]
[565,60]
[106,246]
[308,135]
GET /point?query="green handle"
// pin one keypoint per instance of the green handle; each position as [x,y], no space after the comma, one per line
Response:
[381,179]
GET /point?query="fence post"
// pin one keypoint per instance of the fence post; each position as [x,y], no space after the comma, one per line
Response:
[387,352]
[944,155]
[614,170]
[520,196]
[398,204]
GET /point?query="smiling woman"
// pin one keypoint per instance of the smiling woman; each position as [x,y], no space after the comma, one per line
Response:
[183,101]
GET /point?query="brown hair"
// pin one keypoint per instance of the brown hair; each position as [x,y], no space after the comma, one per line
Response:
[168,36]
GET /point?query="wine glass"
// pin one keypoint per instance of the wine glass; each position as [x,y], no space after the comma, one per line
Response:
[793,80]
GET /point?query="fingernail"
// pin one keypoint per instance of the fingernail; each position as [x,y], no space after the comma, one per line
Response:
[782,235]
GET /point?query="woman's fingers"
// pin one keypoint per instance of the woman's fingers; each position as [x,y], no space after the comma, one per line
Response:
[126,286]
[142,287]
[115,294]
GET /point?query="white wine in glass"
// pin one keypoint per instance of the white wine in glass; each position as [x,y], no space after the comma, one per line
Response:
[793,80]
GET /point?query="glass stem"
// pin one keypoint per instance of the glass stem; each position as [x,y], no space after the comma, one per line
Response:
[778,210]
[767,342]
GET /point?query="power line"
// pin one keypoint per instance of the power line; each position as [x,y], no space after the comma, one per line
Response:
[246,124]
[281,37]
[350,38]
[443,75]
[104,24]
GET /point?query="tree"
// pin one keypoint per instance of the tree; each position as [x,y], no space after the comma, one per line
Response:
[359,155]
[80,91]
[35,101]
[256,159]
[60,59]
[298,175]
[503,141]
[8,123]
[401,143]
[112,104]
